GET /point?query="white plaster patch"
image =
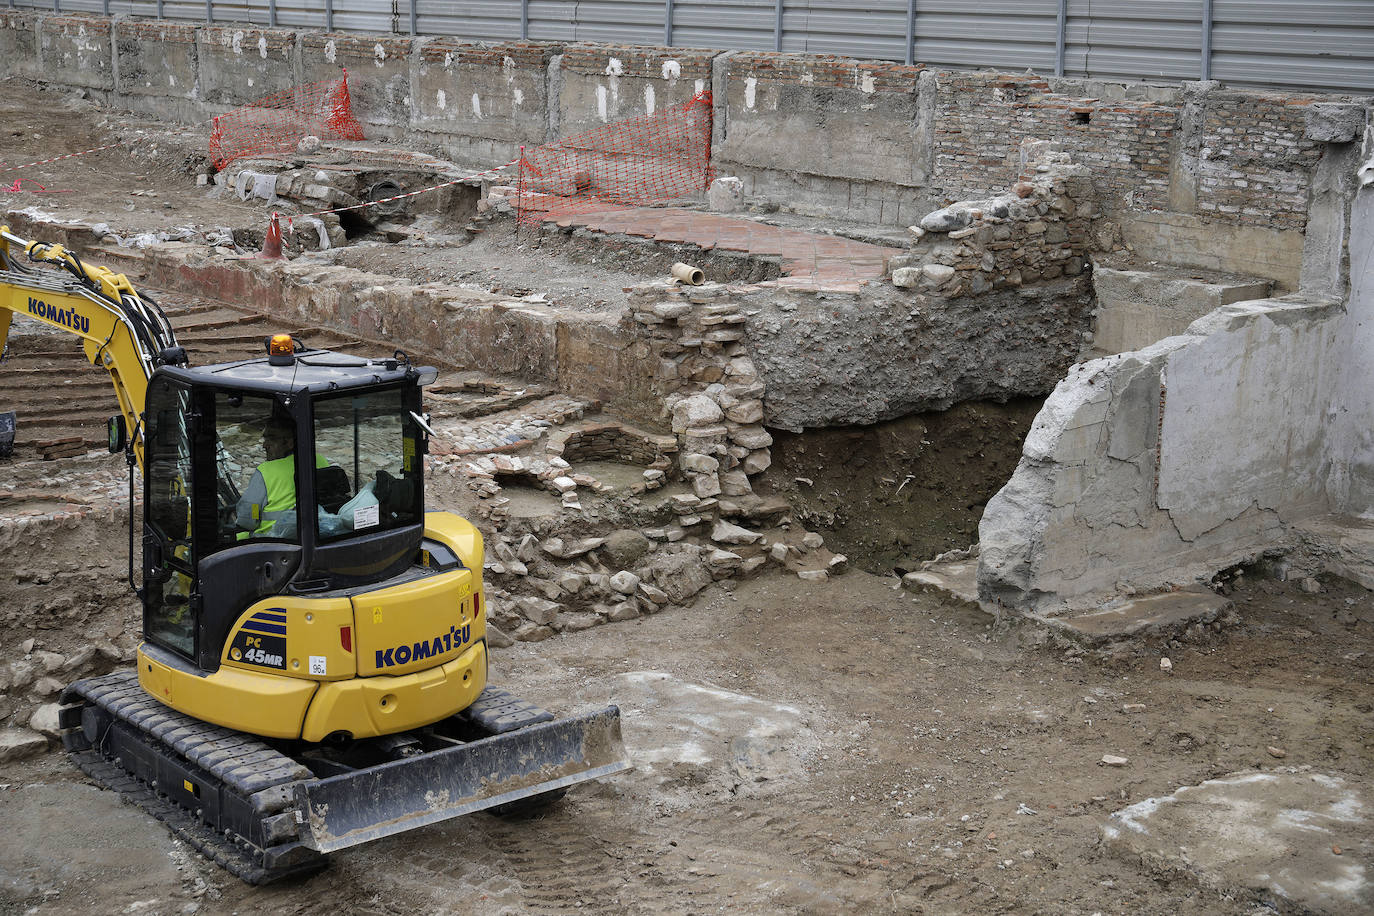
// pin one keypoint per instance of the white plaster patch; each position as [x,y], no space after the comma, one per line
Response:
[448,60]
[700,86]
[615,67]
[476,105]
[330,51]
[508,67]
[710,729]
[866,82]
[441,99]
[750,88]
[519,97]
[808,78]
[671,69]
[262,46]
[378,54]
[601,102]
[648,99]
[237,42]
[1131,817]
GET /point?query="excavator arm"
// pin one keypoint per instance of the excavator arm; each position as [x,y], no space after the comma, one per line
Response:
[123,332]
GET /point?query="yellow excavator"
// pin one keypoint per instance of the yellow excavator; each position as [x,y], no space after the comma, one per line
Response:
[313,666]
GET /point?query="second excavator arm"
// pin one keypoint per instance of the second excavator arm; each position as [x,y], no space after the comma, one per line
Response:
[123,332]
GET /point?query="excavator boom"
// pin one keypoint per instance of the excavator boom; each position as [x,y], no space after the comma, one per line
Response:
[121,331]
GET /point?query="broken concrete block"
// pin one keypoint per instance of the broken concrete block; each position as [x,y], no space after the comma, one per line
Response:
[726,533]
[906,277]
[726,194]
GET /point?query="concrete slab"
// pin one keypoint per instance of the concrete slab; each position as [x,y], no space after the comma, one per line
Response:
[1298,841]
[1142,615]
[1343,546]
[1137,307]
[952,580]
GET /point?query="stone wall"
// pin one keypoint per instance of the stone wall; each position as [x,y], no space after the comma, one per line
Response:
[594,356]
[1041,230]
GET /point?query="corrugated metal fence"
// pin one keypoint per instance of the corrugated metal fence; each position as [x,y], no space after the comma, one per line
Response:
[1307,44]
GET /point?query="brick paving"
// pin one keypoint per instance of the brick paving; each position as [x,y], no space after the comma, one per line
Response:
[809,259]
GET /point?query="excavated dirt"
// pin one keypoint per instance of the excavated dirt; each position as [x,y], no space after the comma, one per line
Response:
[893,494]
[841,747]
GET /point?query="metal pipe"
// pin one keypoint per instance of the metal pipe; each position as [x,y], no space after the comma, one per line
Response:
[524,20]
[1061,37]
[271,14]
[910,32]
[413,18]
[159,7]
[777,26]
[329,15]
[210,11]
[668,23]
[1206,39]
[105,7]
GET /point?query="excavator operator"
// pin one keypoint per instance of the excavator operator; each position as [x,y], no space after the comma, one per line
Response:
[268,506]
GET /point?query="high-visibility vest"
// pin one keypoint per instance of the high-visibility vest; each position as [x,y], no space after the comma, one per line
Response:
[279,476]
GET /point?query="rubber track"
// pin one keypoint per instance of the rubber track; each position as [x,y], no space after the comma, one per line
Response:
[242,763]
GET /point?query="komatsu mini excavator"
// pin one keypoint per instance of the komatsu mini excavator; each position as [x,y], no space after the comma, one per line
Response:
[313,668]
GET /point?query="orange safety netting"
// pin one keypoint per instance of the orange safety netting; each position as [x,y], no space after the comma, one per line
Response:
[278,122]
[634,162]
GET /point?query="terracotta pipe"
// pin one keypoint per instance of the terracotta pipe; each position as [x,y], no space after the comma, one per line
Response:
[686,273]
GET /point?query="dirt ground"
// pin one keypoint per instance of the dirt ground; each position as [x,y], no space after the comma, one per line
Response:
[893,494]
[840,747]
[799,748]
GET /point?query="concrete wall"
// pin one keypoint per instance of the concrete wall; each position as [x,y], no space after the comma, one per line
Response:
[481,103]
[1203,175]
[1161,466]
[379,70]
[590,355]
[1351,442]
[76,51]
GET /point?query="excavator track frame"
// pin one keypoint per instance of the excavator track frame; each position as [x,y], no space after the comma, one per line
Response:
[264,815]
[239,811]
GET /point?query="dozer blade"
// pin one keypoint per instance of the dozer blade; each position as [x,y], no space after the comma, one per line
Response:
[352,808]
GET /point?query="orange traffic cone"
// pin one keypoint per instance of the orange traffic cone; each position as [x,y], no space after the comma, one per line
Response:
[271,245]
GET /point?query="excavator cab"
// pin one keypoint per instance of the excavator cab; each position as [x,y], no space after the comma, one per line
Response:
[301,478]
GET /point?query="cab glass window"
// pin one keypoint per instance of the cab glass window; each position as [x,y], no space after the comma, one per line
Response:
[255,470]
[367,465]
[168,560]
